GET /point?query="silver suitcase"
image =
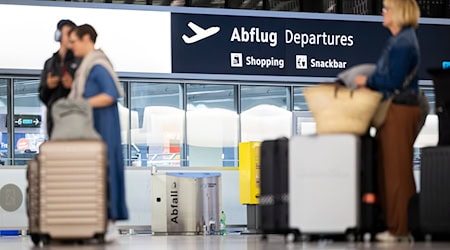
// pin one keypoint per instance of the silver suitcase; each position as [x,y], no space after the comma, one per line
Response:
[323,184]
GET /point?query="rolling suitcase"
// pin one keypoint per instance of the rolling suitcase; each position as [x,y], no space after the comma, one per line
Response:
[273,200]
[324,183]
[370,211]
[67,191]
[434,201]
[441,83]
[33,199]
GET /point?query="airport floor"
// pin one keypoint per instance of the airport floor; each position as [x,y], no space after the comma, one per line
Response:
[228,242]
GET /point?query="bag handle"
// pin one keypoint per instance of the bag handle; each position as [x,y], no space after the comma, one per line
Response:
[336,90]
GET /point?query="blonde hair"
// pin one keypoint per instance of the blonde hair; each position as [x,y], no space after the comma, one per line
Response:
[404,12]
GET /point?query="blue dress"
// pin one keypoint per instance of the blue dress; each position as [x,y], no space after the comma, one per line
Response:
[107,124]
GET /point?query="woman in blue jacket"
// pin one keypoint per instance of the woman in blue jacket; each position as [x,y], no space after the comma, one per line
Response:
[397,65]
[96,81]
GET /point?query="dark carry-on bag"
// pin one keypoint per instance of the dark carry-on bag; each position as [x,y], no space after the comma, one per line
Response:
[434,200]
[273,201]
[441,83]
[370,213]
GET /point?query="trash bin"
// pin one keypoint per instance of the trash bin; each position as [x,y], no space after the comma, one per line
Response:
[186,203]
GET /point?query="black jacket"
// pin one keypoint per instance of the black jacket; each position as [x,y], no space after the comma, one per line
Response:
[56,66]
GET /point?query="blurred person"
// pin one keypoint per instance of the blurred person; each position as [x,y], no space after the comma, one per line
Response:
[395,139]
[59,70]
[97,82]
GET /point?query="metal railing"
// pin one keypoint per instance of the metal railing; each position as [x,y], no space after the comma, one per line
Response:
[363,7]
[428,8]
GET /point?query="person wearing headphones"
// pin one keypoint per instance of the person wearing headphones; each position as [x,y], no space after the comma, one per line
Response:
[58,72]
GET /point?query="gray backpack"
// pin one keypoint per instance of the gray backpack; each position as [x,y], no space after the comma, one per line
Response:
[73,120]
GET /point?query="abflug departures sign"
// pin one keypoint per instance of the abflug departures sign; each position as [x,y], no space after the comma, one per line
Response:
[219,44]
[271,46]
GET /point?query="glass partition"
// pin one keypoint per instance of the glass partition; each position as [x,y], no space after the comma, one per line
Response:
[265,113]
[212,125]
[157,124]
[29,120]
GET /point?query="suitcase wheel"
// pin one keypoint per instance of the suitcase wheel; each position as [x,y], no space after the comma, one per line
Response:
[294,236]
[36,239]
[45,240]
[367,237]
[351,235]
[297,235]
[100,238]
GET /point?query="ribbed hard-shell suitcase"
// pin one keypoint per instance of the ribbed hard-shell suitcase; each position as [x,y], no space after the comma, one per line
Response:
[67,191]
[434,201]
[33,198]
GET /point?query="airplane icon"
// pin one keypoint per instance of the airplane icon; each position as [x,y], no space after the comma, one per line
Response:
[200,33]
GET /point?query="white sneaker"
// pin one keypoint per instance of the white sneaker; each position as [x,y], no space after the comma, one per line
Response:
[386,236]
[112,232]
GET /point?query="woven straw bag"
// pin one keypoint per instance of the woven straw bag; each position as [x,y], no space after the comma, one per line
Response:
[339,110]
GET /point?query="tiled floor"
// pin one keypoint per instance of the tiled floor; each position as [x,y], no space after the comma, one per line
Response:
[229,242]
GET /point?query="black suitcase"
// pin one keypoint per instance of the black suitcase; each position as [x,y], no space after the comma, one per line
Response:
[273,200]
[414,218]
[441,83]
[434,200]
[444,127]
[370,211]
